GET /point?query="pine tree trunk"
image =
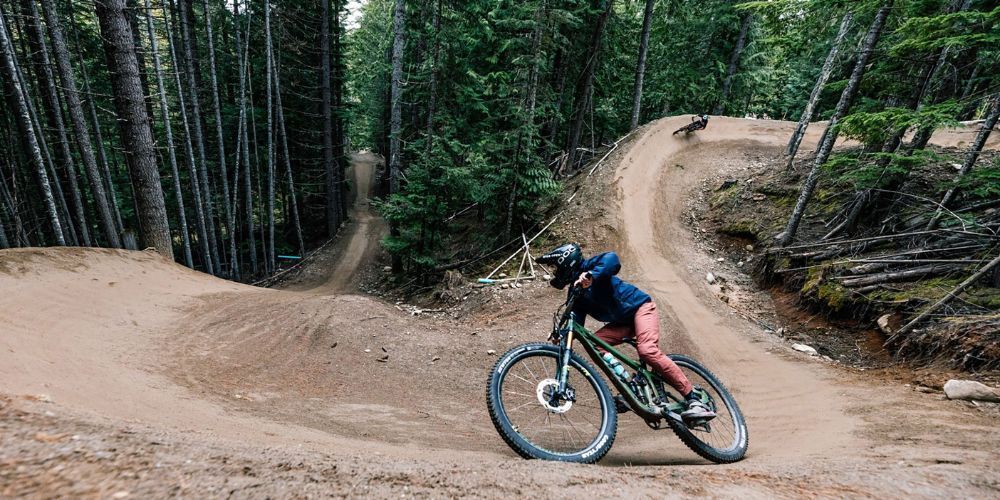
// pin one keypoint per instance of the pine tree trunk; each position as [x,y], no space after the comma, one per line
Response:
[971,157]
[107,215]
[4,243]
[66,218]
[339,132]
[220,138]
[245,140]
[734,62]
[102,156]
[288,163]
[435,61]
[329,167]
[271,254]
[395,119]
[187,35]
[69,233]
[140,54]
[53,114]
[830,136]
[864,199]
[23,116]
[137,137]
[640,69]
[171,151]
[20,236]
[928,93]
[559,70]
[824,75]
[199,209]
[586,84]
[528,113]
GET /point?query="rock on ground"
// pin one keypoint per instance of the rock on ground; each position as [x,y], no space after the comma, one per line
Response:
[970,390]
[804,348]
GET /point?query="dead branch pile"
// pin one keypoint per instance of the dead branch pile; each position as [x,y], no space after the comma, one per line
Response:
[948,275]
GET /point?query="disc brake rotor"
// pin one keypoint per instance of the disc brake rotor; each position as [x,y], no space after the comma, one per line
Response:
[545,390]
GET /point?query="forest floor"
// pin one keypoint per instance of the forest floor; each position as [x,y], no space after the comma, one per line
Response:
[124,375]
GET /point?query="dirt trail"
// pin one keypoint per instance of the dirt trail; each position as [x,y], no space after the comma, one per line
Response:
[783,398]
[334,269]
[201,387]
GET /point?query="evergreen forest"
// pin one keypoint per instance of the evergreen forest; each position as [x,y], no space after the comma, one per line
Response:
[219,132]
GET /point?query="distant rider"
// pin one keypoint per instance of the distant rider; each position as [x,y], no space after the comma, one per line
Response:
[628,311]
[698,122]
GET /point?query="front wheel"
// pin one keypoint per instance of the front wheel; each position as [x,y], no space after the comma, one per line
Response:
[535,421]
[723,439]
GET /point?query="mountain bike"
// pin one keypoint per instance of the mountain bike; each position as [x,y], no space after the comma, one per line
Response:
[548,403]
[696,124]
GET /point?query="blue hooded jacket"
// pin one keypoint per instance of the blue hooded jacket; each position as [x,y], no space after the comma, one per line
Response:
[609,299]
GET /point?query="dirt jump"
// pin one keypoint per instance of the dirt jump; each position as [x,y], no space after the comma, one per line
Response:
[125,375]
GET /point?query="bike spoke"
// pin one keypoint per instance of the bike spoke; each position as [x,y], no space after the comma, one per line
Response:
[570,422]
[521,406]
[526,367]
[530,383]
[519,394]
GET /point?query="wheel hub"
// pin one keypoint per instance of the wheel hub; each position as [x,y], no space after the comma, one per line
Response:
[546,390]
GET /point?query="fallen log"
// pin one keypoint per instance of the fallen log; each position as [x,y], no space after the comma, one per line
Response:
[944,300]
[897,276]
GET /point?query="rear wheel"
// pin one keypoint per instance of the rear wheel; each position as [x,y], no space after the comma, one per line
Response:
[723,439]
[534,422]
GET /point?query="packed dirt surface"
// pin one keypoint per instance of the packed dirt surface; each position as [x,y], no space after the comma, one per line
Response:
[122,374]
[334,268]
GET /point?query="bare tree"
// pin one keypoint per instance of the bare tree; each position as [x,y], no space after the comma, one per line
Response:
[23,117]
[102,156]
[53,113]
[171,150]
[220,139]
[640,68]
[198,137]
[77,118]
[530,91]
[244,136]
[201,222]
[137,137]
[288,162]
[395,119]
[329,167]
[339,129]
[270,139]
[824,75]
[585,85]
[830,136]
[970,158]
[435,62]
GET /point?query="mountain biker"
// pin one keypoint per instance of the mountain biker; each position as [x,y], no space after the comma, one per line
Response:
[700,121]
[627,312]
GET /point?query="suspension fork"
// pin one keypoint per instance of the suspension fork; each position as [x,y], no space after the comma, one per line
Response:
[565,349]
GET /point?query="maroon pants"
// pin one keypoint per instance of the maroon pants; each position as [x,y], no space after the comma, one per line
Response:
[646,332]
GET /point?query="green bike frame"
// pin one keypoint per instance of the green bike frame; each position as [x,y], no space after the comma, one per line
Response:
[653,389]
